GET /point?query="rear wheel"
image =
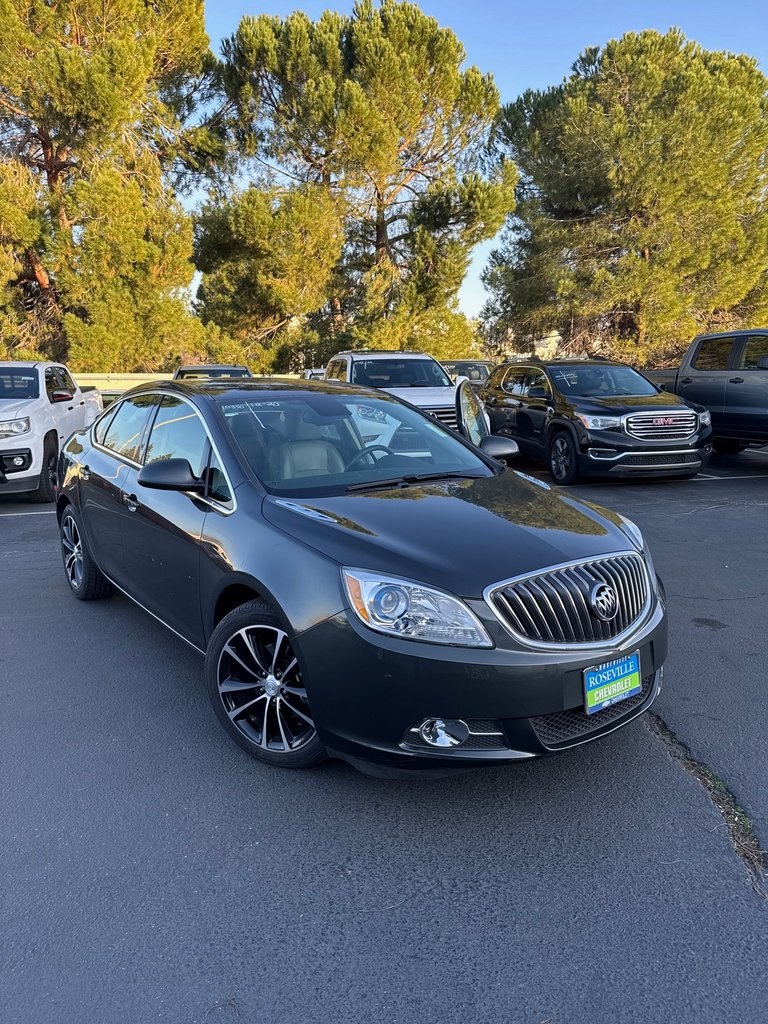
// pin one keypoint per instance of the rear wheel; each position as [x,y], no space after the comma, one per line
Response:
[256,688]
[562,459]
[85,579]
[46,487]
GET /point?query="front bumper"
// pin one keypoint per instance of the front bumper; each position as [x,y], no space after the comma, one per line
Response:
[18,469]
[614,453]
[369,692]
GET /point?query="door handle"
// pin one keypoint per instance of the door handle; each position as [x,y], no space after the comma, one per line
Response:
[85,473]
[131,501]
[735,380]
[686,380]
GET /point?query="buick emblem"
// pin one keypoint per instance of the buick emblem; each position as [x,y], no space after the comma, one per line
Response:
[604,602]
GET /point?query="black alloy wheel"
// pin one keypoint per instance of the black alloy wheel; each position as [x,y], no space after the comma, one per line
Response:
[562,459]
[85,579]
[255,685]
[46,487]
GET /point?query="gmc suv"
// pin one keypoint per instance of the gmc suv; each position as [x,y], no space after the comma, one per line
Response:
[596,418]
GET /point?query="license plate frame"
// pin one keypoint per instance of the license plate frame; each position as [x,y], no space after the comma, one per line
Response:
[611,682]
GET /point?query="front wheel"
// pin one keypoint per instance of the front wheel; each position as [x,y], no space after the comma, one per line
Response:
[256,688]
[562,459]
[46,487]
[85,579]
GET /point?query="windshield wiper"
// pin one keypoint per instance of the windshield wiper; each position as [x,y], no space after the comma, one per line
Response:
[412,478]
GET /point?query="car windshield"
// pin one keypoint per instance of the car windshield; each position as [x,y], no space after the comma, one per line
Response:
[201,373]
[474,371]
[590,381]
[18,382]
[399,373]
[305,444]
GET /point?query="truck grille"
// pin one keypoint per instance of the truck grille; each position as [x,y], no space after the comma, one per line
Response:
[660,426]
[555,606]
[446,414]
[564,727]
[658,460]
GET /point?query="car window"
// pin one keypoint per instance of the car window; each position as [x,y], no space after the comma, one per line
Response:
[124,433]
[307,443]
[178,433]
[588,380]
[755,350]
[337,370]
[102,423]
[51,382]
[495,379]
[218,487]
[18,382]
[399,373]
[514,380]
[66,381]
[713,354]
[536,379]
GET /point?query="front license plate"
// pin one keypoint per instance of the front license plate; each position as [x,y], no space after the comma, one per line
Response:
[611,682]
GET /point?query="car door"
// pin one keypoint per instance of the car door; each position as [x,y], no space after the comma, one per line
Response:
[704,382]
[746,389]
[534,412]
[161,530]
[117,440]
[79,410]
[63,413]
[505,400]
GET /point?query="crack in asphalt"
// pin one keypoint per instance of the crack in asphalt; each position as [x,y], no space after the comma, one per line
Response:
[740,829]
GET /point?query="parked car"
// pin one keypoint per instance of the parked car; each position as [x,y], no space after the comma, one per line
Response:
[314,571]
[313,373]
[212,370]
[476,371]
[728,374]
[40,406]
[413,376]
[596,418]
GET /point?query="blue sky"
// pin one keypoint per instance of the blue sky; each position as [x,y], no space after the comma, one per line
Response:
[533,44]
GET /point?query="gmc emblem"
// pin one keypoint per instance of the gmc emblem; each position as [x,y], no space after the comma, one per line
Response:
[664,421]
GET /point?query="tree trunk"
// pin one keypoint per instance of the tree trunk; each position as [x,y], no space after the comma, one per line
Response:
[382,237]
[39,272]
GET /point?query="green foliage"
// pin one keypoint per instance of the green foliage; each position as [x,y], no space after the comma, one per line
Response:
[641,214]
[94,249]
[366,141]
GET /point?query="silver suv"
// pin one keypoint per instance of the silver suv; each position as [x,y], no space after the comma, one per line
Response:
[413,376]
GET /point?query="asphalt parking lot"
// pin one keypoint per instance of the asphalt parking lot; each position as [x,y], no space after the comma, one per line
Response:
[149,871]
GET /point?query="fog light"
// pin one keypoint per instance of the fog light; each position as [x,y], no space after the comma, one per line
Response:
[443,732]
[18,461]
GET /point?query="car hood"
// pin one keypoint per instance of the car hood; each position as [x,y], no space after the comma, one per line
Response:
[13,408]
[426,398]
[634,403]
[459,535]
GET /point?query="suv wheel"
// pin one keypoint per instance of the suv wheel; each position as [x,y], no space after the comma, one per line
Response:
[256,688]
[562,459]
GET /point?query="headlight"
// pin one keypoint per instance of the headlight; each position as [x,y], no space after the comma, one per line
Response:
[600,422]
[633,531]
[412,611]
[705,418]
[8,427]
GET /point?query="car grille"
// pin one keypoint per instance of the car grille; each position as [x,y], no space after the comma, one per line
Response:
[671,459]
[554,607]
[484,734]
[563,727]
[673,426]
[446,414]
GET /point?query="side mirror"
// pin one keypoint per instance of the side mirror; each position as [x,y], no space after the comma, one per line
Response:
[539,393]
[497,447]
[170,475]
[60,395]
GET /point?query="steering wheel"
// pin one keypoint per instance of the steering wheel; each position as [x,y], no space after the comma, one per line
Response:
[367,451]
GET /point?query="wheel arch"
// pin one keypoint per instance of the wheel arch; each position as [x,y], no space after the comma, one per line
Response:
[561,427]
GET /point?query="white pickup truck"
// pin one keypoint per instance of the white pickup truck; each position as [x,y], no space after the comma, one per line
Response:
[40,406]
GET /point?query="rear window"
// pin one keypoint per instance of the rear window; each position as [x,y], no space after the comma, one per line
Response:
[18,382]
[755,354]
[713,354]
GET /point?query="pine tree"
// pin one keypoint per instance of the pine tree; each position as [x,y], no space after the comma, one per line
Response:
[641,215]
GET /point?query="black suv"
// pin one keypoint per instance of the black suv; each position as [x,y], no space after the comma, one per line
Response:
[596,418]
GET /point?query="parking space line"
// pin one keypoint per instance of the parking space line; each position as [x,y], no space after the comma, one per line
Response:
[10,515]
[747,476]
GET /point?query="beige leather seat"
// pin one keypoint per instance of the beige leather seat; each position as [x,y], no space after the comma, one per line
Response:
[308,458]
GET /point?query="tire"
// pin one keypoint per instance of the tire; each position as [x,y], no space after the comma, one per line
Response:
[562,459]
[256,689]
[85,579]
[727,446]
[45,490]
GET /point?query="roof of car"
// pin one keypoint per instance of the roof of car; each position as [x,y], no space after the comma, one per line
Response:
[215,387]
[373,353]
[211,366]
[562,361]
